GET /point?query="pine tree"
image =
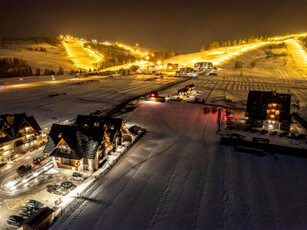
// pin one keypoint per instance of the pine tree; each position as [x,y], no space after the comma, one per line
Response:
[61,70]
[30,71]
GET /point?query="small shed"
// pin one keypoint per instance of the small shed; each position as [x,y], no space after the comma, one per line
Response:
[39,219]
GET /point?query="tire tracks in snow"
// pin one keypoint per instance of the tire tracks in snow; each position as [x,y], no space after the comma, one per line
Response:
[160,208]
[204,174]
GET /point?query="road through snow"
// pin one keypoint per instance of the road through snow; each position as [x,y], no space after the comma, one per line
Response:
[178,177]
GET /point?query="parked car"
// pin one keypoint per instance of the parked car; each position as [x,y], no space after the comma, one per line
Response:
[264,131]
[27,211]
[248,128]
[273,133]
[35,204]
[291,136]
[37,160]
[68,185]
[77,176]
[254,130]
[229,113]
[300,137]
[22,169]
[283,134]
[206,110]
[15,220]
[55,189]
[62,189]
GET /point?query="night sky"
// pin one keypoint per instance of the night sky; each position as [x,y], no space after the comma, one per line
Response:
[170,24]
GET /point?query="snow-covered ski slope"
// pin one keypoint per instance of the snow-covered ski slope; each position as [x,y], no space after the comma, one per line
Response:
[272,71]
[179,177]
[83,58]
[52,58]
[216,56]
[298,53]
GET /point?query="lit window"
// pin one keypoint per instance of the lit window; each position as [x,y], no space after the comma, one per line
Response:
[277,112]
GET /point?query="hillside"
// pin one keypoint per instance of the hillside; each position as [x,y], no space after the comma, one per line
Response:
[38,54]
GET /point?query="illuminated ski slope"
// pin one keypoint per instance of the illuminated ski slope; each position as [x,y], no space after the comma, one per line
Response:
[216,56]
[83,58]
[298,53]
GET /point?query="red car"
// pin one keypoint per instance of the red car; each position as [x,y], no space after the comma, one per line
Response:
[37,160]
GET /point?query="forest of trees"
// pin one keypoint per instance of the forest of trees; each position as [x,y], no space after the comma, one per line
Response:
[14,67]
[303,40]
[161,55]
[17,67]
[218,44]
[54,41]
[113,55]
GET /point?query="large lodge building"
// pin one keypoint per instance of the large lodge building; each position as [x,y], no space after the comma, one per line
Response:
[18,134]
[269,110]
[83,145]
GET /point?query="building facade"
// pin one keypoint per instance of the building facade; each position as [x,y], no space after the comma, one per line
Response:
[19,133]
[82,145]
[269,109]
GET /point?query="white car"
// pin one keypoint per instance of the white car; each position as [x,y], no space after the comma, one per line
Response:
[77,176]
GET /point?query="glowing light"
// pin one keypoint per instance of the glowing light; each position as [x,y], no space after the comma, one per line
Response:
[11,183]
[20,85]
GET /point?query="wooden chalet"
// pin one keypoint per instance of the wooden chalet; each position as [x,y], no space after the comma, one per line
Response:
[80,146]
[18,134]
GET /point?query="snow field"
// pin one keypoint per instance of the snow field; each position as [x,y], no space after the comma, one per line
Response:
[178,177]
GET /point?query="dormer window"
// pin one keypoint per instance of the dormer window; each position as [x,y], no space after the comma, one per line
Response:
[64,148]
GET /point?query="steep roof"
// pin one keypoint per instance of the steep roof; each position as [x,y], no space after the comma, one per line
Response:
[80,143]
[12,123]
[96,125]
[84,137]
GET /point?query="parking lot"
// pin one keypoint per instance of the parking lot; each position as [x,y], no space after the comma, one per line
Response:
[14,196]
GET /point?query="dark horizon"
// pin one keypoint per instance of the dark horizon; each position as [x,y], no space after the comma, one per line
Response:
[179,25]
